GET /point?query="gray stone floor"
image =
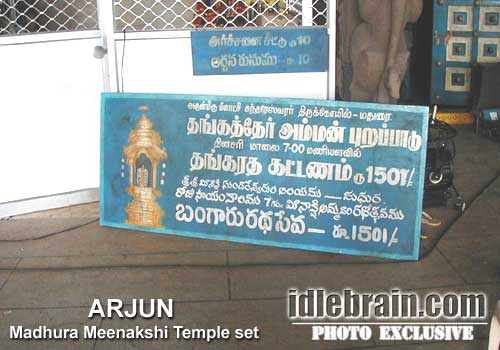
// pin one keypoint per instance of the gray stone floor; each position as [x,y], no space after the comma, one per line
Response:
[53,281]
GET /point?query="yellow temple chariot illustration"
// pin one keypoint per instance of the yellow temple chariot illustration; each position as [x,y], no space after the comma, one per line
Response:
[144,153]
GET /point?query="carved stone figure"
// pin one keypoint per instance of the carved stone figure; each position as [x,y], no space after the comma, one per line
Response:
[373,44]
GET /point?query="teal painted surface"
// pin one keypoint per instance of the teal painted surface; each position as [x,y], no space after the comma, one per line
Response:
[446,38]
[491,114]
[305,203]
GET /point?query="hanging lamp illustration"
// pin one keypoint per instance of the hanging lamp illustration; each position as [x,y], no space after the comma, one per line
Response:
[144,153]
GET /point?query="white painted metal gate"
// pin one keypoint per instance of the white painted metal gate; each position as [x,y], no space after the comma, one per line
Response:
[49,97]
[51,81]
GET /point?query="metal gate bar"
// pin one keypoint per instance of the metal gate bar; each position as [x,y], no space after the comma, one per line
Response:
[156,15]
[36,16]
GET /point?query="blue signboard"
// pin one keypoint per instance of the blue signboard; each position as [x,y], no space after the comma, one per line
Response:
[259,51]
[310,174]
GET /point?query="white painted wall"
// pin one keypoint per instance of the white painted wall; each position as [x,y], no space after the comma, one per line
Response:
[49,98]
[165,65]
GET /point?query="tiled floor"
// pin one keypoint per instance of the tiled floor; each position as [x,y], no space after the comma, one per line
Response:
[53,281]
